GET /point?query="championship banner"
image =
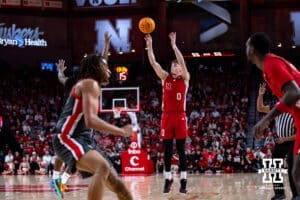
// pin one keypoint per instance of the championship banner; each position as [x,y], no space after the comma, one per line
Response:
[53,4]
[10,3]
[32,3]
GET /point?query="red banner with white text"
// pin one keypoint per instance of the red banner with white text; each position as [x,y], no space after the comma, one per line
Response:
[53,4]
[136,161]
[10,3]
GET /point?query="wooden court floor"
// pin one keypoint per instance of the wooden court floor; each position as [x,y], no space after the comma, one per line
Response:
[202,187]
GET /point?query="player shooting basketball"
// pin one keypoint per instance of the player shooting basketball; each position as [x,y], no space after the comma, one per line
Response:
[173,123]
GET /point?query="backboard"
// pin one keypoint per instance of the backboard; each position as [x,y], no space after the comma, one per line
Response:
[128,98]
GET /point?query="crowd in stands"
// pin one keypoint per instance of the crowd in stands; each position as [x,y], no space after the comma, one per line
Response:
[270,135]
[29,105]
[217,105]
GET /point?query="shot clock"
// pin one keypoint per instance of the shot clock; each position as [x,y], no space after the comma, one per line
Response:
[121,72]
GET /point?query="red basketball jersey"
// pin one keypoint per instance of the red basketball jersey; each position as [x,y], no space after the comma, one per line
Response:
[174,95]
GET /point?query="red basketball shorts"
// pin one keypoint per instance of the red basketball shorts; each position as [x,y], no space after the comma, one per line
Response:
[173,126]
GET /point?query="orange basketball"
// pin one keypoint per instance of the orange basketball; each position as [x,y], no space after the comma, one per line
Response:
[146,25]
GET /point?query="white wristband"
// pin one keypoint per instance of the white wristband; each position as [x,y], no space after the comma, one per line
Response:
[174,46]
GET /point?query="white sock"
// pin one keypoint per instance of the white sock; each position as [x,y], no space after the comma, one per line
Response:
[65,177]
[168,175]
[183,175]
[56,174]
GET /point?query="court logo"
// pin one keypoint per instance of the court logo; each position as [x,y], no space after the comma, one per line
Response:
[272,170]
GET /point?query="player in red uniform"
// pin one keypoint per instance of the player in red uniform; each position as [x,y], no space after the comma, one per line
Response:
[173,122]
[284,80]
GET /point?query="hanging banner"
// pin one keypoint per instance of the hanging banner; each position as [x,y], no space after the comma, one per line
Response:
[10,3]
[53,4]
[32,3]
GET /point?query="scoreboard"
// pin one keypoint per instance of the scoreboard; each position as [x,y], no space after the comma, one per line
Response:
[121,72]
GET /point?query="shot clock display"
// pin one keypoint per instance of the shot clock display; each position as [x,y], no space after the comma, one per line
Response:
[121,72]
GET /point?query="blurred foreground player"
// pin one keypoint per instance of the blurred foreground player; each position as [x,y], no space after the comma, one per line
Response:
[284,145]
[283,79]
[73,143]
[59,182]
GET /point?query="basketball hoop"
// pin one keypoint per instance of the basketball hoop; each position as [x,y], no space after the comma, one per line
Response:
[117,112]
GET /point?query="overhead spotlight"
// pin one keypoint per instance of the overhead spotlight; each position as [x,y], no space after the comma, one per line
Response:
[195,54]
[121,51]
[217,53]
[146,48]
[85,55]
[279,45]
[294,46]
[109,54]
[132,50]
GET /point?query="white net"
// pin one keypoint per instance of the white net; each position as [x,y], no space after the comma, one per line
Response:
[117,112]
